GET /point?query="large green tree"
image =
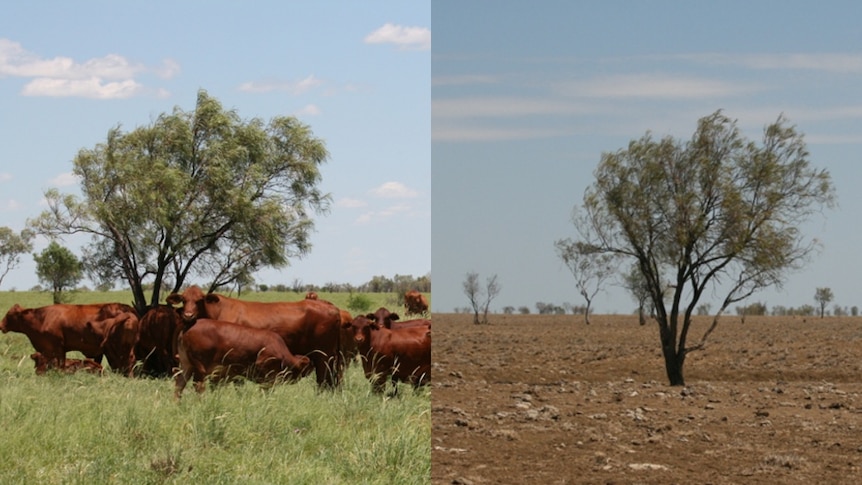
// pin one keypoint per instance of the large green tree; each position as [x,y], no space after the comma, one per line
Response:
[717,212]
[12,246]
[201,194]
[58,268]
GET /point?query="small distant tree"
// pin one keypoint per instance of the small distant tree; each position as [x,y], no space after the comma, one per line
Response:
[590,268]
[475,293]
[854,311]
[58,269]
[508,310]
[703,309]
[823,296]
[12,246]
[359,302]
[524,310]
[635,282]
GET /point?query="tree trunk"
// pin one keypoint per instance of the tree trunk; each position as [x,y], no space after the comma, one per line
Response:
[476,317]
[587,313]
[673,358]
[673,365]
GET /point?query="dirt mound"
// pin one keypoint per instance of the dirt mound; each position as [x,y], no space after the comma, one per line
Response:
[548,399]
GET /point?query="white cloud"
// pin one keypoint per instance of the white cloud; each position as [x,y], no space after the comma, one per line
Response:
[393,190]
[655,86]
[377,216]
[310,110]
[9,205]
[293,87]
[109,77]
[168,70]
[463,80]
[5,177]
[827,62]
[64,180]
[349,203]
[495,107]
[93,88]
[413,38]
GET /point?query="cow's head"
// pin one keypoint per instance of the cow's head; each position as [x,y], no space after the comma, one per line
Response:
[12,317]
[361,328]
[383,317]
[193,302]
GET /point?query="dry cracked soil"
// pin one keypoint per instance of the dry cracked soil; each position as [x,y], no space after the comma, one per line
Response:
[550,400]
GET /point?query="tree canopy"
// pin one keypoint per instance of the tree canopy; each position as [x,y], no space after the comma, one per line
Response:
[58,269]
[199,194]
[717,212]
[12,246]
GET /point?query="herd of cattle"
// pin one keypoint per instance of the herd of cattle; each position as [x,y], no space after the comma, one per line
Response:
[202,337]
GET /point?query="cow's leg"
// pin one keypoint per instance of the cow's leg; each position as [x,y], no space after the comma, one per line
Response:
[180,380]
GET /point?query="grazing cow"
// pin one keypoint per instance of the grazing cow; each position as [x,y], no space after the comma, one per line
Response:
[308,327]
[311,295]
[54,330]
[388,319]
[405,354]
[121,334]
[415,302]
[70,366]
[156,347]
[220,350]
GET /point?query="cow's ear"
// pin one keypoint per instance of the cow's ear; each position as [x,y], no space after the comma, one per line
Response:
[394,316]
[211,298]
[346,324]
[173,299]
[374,325]
[371,316]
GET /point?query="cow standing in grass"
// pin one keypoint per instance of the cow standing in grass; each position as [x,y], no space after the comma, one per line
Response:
[309,327]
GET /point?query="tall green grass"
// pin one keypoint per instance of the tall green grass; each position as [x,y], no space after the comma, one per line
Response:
[84,428]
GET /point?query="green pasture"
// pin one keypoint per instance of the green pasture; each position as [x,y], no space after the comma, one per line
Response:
[84,428]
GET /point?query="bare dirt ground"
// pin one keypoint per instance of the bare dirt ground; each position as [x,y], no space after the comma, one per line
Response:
[548,399]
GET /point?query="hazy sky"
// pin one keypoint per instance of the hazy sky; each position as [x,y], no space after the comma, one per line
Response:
[357,72]
[527,95]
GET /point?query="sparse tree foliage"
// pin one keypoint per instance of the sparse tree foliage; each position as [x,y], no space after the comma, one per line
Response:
[59,269]
[717,212]
[823,296]
[590,268]
[12,246]
[201,193]
[475,293]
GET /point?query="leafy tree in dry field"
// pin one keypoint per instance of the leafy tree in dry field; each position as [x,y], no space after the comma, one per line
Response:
[201,194]
[717,212]
[12,246]
[823,296]
[591,269]
[474,293]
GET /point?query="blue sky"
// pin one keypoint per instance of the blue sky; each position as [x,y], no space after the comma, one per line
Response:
[357,73]
[527,96]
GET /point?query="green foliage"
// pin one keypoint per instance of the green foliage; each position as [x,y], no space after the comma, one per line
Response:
[716,212]
[195,194]
[359,303]
[12,246]
[59,269]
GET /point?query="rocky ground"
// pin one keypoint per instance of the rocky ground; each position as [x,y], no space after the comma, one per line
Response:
[548,399]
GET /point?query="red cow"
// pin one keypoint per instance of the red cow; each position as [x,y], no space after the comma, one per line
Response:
[405,354]
[156,347]
[54,330]
[71,365]
[220,350]
[311,295]
[121,334]
[308,327]
[415,302]
[387,319]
